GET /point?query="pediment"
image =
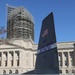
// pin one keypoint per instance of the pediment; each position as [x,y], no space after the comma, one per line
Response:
[8,44]
[16,43]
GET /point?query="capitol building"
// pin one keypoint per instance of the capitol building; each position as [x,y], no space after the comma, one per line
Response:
[18,51]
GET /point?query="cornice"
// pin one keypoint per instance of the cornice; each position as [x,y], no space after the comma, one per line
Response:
[64,48]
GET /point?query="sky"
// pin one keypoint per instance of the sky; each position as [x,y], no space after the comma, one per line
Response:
[63,10]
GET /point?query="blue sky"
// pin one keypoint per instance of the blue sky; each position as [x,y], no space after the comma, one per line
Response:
[64,15]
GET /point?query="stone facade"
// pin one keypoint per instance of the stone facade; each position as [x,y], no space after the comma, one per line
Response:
[19,56]
[66,54]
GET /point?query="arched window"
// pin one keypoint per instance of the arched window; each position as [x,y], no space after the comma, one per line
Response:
[10,71]
[4,71]
[0,54]
[16,71]
[72,71]
[66,71]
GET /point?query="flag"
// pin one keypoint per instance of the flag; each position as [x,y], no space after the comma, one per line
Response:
[45,33]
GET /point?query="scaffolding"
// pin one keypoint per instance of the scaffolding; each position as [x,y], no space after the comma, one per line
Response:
[21,20]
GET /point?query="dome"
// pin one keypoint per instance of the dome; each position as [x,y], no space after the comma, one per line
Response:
[20,23]
[24,12]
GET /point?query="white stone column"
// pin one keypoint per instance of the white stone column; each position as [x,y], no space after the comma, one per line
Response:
[14,64]
[8,61]
[74,54]
[20,58]
[69,62]
[33,59]
[2,60]
[63,63]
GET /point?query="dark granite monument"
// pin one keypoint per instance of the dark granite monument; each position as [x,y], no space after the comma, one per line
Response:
[47,55]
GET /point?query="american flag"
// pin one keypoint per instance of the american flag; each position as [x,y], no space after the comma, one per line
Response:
[45,33]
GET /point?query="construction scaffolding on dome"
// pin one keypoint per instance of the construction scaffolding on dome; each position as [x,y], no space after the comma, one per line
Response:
[14,11]
[21,20]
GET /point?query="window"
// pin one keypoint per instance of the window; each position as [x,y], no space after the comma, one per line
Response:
[66,58]
[72,58]
[17,62]
[5,62]
[10,71]
[11,62]
[66,63]
[4,71]
[0,54]
[72,71]
[66,71]
[0,63]
[17,55]
[16,71]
